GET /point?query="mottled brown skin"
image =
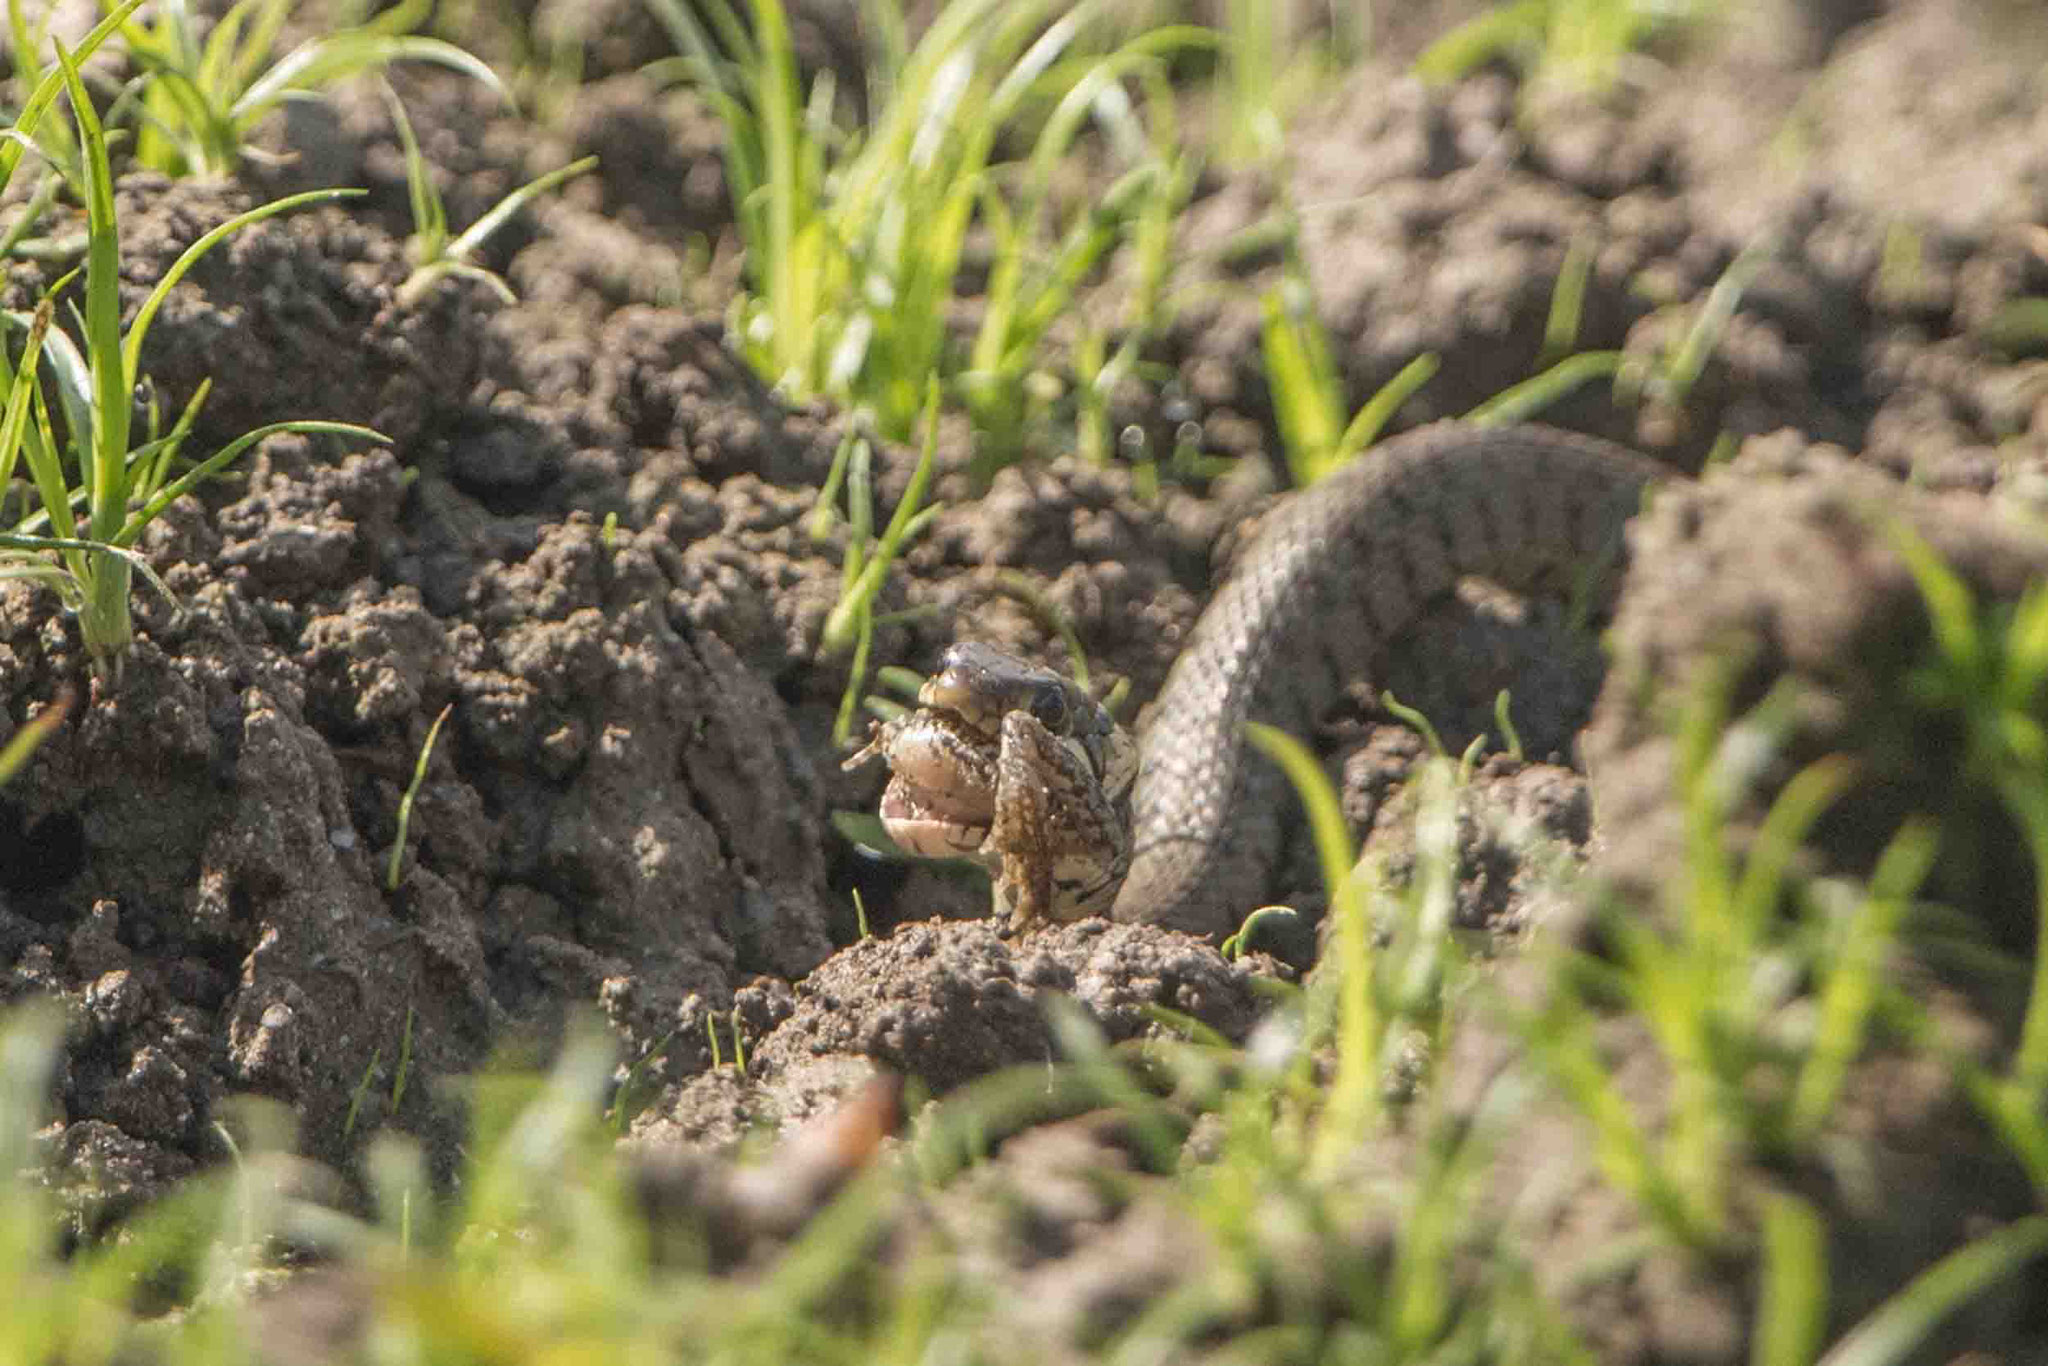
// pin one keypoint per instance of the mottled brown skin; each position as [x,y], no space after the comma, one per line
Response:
[1017,767]
[1331,578]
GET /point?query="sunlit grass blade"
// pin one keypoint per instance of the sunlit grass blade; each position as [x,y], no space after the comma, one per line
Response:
[54,83]
[1987,670]
[429,217]
[1561,1037]
[21,389]
[477,233]
[1477,41]
[1524,401]
[1792,1305]
[25,741]
[909,517]
[1365,427]
[322,60]
[1354,1091]
[438,256]
[1785,827]
[1568,300]
[1908,1318]
[197,103]
[111,410]
[405,802]
[228,58]
[1307,403]
[46,469]
[1686,360]
[1851,989]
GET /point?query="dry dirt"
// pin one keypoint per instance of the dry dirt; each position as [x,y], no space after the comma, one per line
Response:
[628,809]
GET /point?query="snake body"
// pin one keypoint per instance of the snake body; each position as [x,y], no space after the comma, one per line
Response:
[1008,764]
[1332,577]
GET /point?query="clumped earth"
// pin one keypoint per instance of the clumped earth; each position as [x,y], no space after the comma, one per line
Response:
[588,538]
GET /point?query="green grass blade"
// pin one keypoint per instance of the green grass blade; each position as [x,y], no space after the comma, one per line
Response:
[732,31]
[1416,719]
[15,241]
[1850,993]
[1904,1322]
[219,47]
[181,35]
[689,38]
[1308,414]
[1025,74]
[401,18]
[2026,797]
[25,42]
[46,468]
[1802,802]
[1563,1039]
[480,231]
[319,61]
[1419,960]
[248,58]
[1792,1312]
[1950,610]
[429,215]
[20,396]
[2027,646]
[856,602]
[823,511]
[200,129]
[1372,419]
[31,1034]
[1522,402]
[1505,723]
[151,462]
[71,374]
[1689,358]
[111,403]
[1354,1091]
[2012,1111]
[1568,300]
[28,144]
[777,106]
[47,90]
[28,739]
[422,280]
[412,790]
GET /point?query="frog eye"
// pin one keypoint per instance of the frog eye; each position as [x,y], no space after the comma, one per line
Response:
[1049,706]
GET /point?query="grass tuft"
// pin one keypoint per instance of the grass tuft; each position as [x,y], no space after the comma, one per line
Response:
[120,488]
[1308,390]
[200,99]
[436,255]
[855,243]
[865,568]
[412,789]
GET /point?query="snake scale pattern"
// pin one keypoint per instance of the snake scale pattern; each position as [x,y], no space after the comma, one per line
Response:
[1333,575]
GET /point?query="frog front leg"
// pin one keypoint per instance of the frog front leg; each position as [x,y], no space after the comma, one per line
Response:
[1059,845]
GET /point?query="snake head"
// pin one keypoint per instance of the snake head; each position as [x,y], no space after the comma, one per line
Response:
[1017,767]
[981,685]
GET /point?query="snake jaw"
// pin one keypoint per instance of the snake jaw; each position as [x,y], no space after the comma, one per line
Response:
[1019,769]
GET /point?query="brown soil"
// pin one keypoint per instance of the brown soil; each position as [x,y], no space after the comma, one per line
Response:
[628,808]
